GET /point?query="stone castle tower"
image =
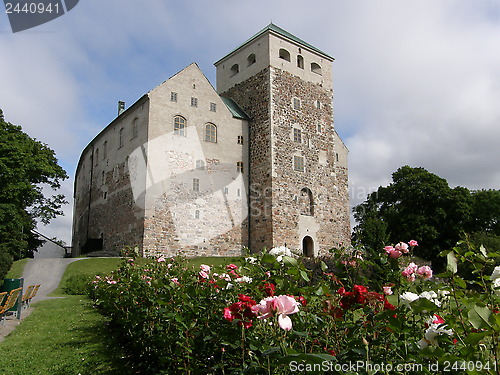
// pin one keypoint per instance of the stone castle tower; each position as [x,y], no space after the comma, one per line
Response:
[187,169]
[298,164]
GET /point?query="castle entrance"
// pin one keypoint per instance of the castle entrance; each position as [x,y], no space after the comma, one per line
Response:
[308,246]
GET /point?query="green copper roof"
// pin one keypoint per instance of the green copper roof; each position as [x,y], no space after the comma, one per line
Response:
[278,30]
[235,109]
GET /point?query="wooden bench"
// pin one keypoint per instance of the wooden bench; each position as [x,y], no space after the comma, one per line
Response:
[29,294]
[10,301]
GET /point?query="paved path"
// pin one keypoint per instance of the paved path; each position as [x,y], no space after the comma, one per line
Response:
[45,269]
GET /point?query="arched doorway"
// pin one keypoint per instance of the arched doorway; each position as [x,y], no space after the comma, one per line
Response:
[308,246]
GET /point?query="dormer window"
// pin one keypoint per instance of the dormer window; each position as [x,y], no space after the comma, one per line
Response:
[251,59]
[316,68]
[300,62]
[235,69]
[284,54]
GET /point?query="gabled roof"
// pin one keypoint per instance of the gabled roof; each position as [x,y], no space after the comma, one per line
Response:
[285,34]
[235,109]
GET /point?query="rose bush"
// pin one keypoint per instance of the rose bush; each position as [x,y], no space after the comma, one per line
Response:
[260,315]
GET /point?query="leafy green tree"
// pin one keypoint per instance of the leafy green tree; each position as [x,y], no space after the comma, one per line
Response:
[417,205]
[28,169]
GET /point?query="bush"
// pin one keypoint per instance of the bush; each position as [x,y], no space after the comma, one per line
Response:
[267,317]
[6,261]
[77,284]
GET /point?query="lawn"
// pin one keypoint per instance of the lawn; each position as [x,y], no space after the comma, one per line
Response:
[67,335]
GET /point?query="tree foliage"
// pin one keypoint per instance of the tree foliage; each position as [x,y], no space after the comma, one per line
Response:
[420,205]
[29,171]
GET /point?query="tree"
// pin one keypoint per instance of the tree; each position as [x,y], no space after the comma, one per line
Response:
[28,168]
[416,205]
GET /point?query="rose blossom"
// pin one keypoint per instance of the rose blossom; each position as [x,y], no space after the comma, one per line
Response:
[387,290]
[205,268]
[160,259]
[403,247]
[232,267]
[413,243]
[425,272]
[282,306]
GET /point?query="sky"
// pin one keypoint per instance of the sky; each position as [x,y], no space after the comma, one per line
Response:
[415,82]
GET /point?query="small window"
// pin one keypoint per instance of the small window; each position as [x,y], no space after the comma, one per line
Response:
[318,104]
[211,133]
[194,102]
[284,54]
[200,164]
[235,69]
[197,214]
[120,138]
[239,167]
[297,135]
[251,59]
[196,184]
[238,192]
[213,107]
[135,128]
[296,103]
[315,68]
[300,61]
[319,128]
[336,156]
[298,163]
[96,157]
[103,178]
[240,139]
[226,190]
[173,96]
[105,150]
[179,125]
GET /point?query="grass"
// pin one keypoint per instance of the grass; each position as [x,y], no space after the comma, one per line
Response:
[66,335]
[16,271]
[62,336]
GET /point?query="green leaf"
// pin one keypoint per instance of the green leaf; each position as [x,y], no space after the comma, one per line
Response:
[480,317]
[460,282]
[423,304]
[324,267]
[452,262]
[304,276]
[474,338]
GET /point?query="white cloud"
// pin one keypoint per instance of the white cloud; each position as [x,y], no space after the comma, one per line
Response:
[415,83]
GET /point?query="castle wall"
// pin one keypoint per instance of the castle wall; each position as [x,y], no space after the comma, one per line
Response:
[208,217]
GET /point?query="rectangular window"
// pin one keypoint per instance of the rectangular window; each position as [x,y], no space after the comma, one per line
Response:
[297,135]
[319,128]
[226,190]
[240,139]
[213,107]
[298,163]
[239,166]
[173,96]
[296,103]
[194,102]
[196,184]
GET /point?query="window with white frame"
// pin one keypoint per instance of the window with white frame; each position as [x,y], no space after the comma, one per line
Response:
[196,184]
[298,163]
[173,96]
[211,133]
[297,135]
[194,102]
[179,125]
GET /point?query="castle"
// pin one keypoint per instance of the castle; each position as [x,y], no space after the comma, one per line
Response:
[189,169]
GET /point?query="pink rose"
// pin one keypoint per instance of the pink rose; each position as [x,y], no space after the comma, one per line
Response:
[388,249]
[205,268]
[425,272]
[413,243]
[232,267]
[203,275]
[387,290]
[403,247]
[282,306]
[395,254]
[160,259]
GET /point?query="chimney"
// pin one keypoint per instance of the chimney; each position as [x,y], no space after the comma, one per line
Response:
[121,107]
